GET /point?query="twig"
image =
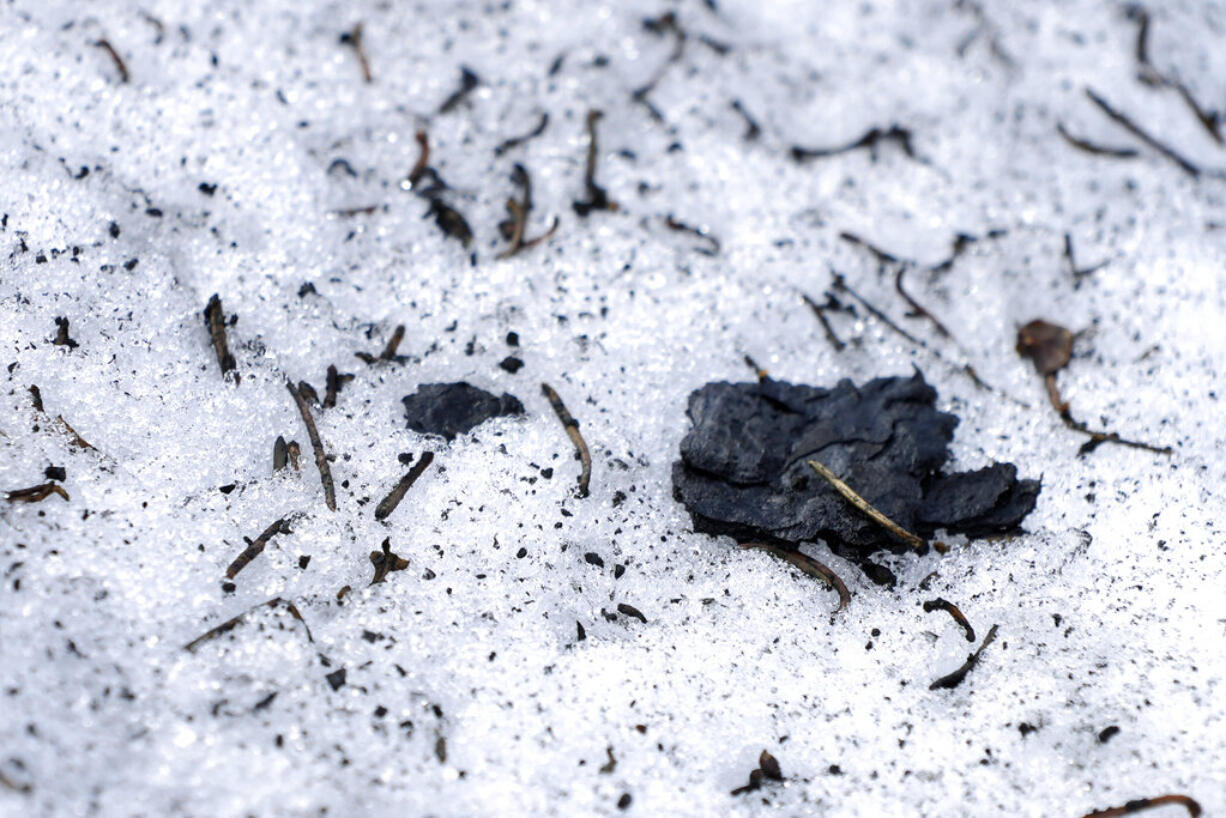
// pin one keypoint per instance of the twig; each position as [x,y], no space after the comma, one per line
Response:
[664,24]
[333,386]
[393,344]
[820,311]
[917,308]
[1098,150]
[256,547]
[954,679]
[1136,130]
[881,255]
[752,131]
[572,430]
[231,624]
[106,46]
[35,494]
[516,141]
[807,565]
[1193,808]
[385,561]
[388,504]
[939,604]
[354,38]
[859,502]
[1082,272]
[681,227]
[1149,74]
[423,159]
[513,229]
[871,139]
[468,81]
[321,460]
[215,322]
[597,197]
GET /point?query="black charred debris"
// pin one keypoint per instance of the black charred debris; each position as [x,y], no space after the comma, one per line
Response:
[450,409]
[744,468]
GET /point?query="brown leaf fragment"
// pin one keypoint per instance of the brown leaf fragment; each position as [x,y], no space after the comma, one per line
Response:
[769,766]
[35,494]
[1193,808]
[386,561]
[1048,346]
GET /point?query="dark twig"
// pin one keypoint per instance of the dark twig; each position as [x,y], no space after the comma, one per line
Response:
[388,504]
[468,81]
[516,141]
[61,334]
[752,131]
[256,547]
[1136,130]
[1078,272]
[768,768]
[807,565]
[321,460]
[820,311]
[871,140]
[572,431]
[1149,74]
[393,344]
[215,322]
[939,604]
[36,396]
[513,228]
[35,494]
[664,24]
[231,624]
[882,256]
[919,310]
[423,159]
[333,385]
[954,679]
[354,38]
[597,197]
[682,227]
[1098,150]
[1193,808]
[106,46]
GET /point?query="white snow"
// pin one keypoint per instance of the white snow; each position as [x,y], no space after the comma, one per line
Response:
[469,693]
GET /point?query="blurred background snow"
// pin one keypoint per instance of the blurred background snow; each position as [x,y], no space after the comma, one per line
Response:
[231,162]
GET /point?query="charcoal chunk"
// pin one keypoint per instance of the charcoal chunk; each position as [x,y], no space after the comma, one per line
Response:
[743,469]
[450,409]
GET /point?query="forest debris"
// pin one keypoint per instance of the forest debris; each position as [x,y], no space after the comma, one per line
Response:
[385,561]
[231,624]
[807,565]
[513,228]
[664,24]
[120,66]
[572,430]
[629,610]
[743,469]
[952,680]
[1149,74]
[256,547]
[388,354]
[597,197]
[321,459]
[820,311]
[35,494]
[1078,273]
[450,221]
[516,141]
[215,321]
[681,227]
[280,454]
[871,139]
[862,504]
[335,381]
[353,38]
[1136,130]
[752,131]
[451,409]
[1093,148]
[61,333]
[1193,808]
[1050,346]
[768,769]
[294,451]
[389,503]
[940,604]
[468,82]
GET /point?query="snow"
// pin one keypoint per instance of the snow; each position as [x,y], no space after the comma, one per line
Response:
[467,691]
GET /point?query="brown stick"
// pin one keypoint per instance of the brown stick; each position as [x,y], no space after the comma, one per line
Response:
[809,566]
[35,494]
[939,604]
[917,307]
[954,679]
[1193,808]
[1098,150]
[215,321]
[862,504]
[354,39]
[256,547]
[572,430]
[388,504]
[231,624]
[106,46]
[325,473]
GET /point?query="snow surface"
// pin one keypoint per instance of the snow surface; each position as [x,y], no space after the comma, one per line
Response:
[466,689]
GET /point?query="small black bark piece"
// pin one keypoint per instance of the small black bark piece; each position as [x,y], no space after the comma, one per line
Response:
[743,470]
[450,409]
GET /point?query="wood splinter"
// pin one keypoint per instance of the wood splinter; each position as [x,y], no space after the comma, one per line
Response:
[321,460]
[215,321]
[389,503]
[256,547]
[572,430]
[808,565]
[859,502]
[35,494]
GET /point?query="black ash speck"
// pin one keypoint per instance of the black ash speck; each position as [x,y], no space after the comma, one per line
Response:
[743,470]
